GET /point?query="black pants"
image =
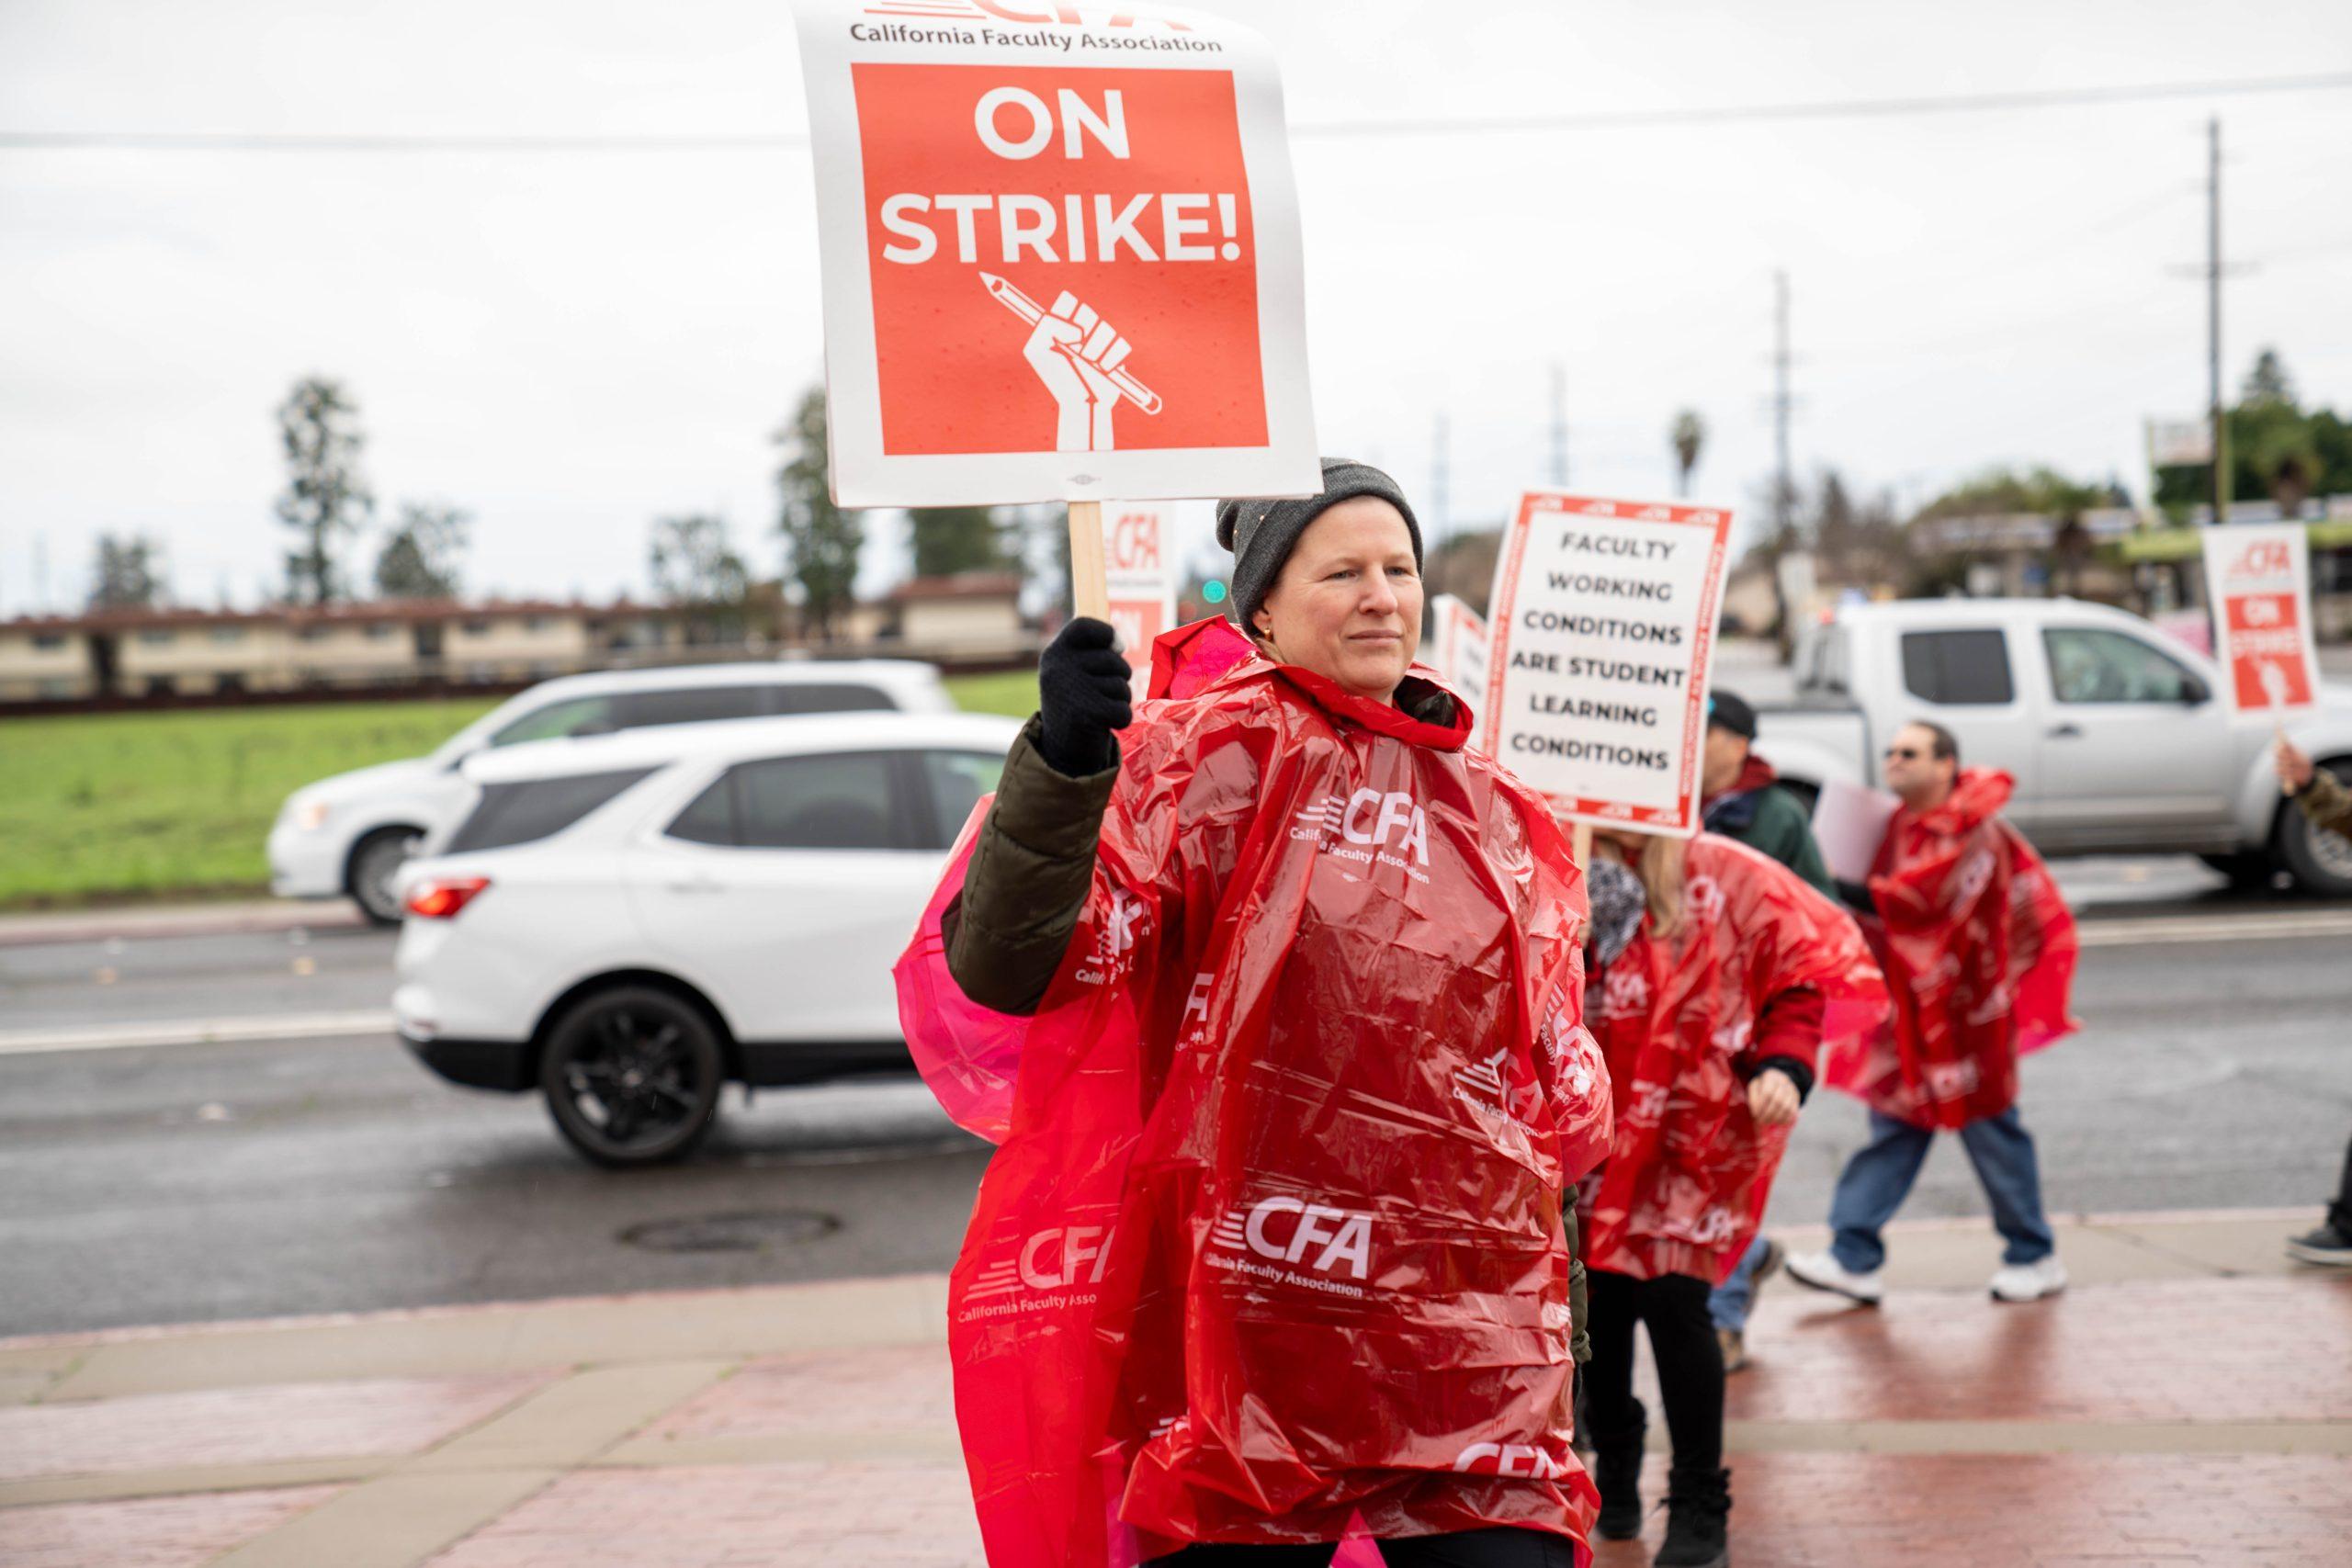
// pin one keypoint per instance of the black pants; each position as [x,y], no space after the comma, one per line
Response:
[2339,1214]
[1690,1364]
[1465,1549]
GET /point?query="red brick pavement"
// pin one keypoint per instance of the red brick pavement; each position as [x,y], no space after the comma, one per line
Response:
[150,1532]
[2105,1358]
[2184,1350]
[2032,1511]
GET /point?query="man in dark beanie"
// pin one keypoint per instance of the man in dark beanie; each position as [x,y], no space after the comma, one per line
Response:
[1262,533]
[1741,799]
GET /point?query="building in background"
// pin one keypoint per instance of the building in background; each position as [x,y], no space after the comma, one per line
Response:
[168,655]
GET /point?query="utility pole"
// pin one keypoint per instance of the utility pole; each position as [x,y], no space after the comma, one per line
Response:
[1441,512]
[1784,486]
[1559,426]
[2219,415]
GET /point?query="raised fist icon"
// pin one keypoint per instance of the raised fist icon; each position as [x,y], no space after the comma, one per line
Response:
[1074,351]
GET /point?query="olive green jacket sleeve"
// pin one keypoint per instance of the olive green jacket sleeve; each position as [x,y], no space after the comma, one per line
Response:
[2327,802]
[1028,879]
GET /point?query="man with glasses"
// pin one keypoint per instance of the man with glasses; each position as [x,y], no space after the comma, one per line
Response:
[1979,953]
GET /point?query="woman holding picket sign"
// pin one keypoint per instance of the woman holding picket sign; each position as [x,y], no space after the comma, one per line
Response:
[1716,974]
[1270,992]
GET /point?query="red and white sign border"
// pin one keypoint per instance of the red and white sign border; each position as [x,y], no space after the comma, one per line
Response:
[864,475]
[1683,821]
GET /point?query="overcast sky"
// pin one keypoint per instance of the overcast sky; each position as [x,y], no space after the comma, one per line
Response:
[570,345]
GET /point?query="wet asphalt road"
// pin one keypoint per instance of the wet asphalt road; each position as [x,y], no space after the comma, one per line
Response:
[187,1182]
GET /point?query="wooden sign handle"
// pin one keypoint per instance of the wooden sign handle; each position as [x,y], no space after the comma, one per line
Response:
[1581,843]
[1090,588]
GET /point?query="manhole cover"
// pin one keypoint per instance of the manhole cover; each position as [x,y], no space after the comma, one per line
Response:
[759,1231]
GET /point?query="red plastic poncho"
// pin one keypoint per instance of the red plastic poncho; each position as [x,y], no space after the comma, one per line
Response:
[1273,1243]
[1979,949]
[1686,1183]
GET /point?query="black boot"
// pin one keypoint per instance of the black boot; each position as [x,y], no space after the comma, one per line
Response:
[1698,1521]
[1617,1472]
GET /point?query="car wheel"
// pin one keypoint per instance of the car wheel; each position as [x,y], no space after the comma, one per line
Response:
[2245,868]
[375,861]
[2321,860]
[632,1075]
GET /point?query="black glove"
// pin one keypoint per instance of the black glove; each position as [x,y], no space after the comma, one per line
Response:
[1082,696]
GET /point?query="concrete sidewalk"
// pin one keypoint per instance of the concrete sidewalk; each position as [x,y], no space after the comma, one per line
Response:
[2190,1401]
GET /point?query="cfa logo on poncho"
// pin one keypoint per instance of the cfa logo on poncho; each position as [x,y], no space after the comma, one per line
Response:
[1049,1260]
[1339,1239]
[1624,992]
[1122,925]
[1369,820]
[1519,1461]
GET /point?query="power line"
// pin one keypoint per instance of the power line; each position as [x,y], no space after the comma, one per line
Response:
[1849,108]
[2213,269]
[1599,119]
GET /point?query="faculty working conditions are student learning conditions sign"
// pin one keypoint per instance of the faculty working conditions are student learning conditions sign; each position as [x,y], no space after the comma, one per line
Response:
[1603,618]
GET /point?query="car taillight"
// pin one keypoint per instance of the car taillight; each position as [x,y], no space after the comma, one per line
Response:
[440,897]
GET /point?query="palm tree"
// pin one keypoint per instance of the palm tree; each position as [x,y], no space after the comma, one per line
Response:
[1689,434]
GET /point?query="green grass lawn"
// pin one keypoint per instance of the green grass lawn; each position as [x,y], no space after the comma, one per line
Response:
[1014,693]
[97,808]
[101,805]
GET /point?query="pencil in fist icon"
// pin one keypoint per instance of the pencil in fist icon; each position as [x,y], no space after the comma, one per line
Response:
[1078,357]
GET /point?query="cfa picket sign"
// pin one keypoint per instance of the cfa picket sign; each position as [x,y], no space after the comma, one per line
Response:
[1060,254]
[1461,652]
[1602,627]
[2258,582]
[1142,541]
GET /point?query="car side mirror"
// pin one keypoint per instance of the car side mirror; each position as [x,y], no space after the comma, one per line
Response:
[2193,694]
[460,759]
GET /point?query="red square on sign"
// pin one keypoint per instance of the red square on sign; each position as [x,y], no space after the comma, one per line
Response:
[1053,207]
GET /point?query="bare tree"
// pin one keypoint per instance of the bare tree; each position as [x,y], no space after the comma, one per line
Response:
[125,575]
[693,567]
[1688,436]
[326,500]
[420,559]
[821,542]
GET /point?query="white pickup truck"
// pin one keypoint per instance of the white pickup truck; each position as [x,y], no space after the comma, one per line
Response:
[2120,738]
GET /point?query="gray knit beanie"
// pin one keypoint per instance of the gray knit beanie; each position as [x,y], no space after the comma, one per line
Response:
[1262,533]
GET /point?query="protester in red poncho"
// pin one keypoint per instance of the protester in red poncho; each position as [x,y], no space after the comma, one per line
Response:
[1979,950]
[1715,975]
[1287,985]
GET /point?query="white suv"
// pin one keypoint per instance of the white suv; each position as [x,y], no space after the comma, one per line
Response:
[625,924]
[348,834]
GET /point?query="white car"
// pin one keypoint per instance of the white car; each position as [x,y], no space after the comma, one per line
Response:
[348,834]
[625,924]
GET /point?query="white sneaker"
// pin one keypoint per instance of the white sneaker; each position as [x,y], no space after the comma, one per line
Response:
[2030,1281]
[1823,1273]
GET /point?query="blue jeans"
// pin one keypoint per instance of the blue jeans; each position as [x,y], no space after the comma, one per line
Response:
[1879,1177]
[1729,1302]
